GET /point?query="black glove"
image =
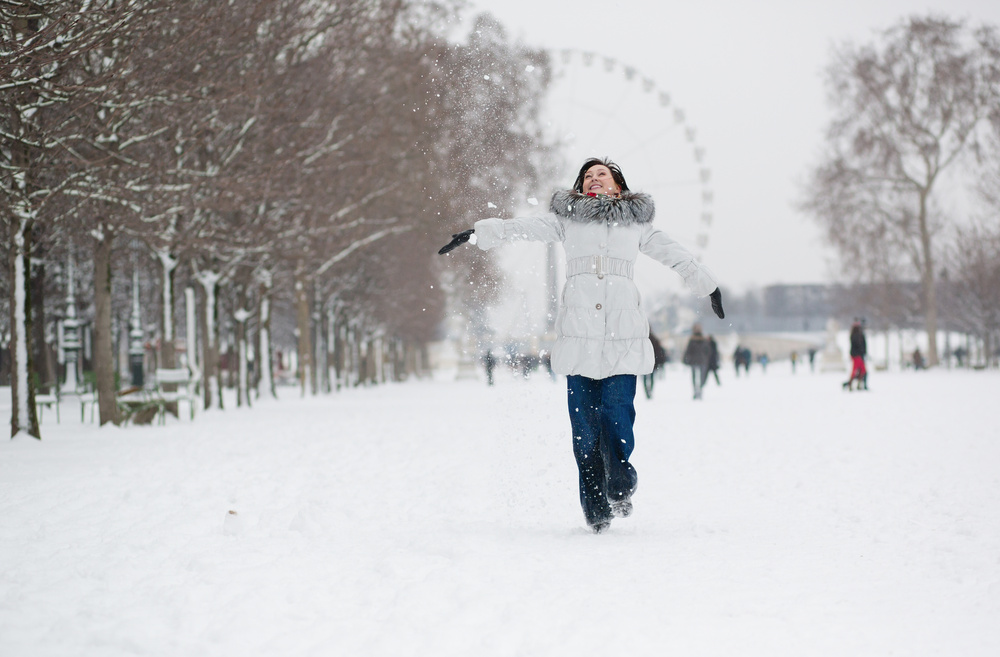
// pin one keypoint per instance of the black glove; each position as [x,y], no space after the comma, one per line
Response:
[456,239]
[717,303]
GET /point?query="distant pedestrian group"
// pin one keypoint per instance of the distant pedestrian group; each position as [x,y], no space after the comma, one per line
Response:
[741,358]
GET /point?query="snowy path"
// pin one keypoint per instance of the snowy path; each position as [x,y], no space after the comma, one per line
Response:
[780,516]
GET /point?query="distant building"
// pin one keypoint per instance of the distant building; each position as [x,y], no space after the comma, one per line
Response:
[797,308]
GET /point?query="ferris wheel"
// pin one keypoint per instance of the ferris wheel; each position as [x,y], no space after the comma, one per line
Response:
[597,106]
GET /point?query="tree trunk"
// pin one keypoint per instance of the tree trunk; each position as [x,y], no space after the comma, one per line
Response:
[369,362]
[319,359]
[303,322]
[42,354]
[329,363]
[264,365]
[23,415]
[243,382]
[931,322]
[22,214]
[206,359]
[209,282]
[359,355]
[242,379]
[927,279]
[104,368]
[191,331]
[339,354]
[168,350]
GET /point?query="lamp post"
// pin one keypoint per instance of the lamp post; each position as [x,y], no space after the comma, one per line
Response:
[70,334]
[135,346]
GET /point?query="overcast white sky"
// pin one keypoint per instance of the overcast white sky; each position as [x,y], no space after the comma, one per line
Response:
[750,79]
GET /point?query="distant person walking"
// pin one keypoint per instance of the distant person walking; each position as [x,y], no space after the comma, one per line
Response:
[741,358]
[713,359]
[859,349]
[490,361]
[697,355]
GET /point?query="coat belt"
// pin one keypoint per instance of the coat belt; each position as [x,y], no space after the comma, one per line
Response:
[600,265]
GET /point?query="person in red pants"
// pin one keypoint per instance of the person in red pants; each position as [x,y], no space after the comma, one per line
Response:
[859,349]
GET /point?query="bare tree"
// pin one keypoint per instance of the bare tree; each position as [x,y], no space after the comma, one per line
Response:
[974,284]
[257,148]
[973,261]
[43,43]
[906,109]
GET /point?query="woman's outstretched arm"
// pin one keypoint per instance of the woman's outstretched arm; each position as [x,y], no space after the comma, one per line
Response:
[493,232]
[697,277]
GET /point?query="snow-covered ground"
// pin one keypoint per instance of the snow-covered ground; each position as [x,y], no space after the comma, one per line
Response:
[779,516]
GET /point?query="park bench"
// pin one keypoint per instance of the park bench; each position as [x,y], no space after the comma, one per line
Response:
[173,386]
[48,400]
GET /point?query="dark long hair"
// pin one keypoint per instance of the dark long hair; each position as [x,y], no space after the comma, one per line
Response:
[616,173]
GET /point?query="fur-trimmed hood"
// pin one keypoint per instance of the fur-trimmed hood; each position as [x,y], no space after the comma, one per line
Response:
[630,208]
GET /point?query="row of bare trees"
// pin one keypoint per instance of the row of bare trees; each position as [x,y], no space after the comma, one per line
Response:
[294,162]
[909,189]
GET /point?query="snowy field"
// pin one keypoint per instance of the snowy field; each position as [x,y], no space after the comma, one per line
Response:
[779,516]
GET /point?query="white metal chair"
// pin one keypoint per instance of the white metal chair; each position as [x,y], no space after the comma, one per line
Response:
[183,384]
[48,400]
[87,399]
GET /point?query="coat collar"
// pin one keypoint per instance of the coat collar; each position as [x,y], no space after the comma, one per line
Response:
[631,208]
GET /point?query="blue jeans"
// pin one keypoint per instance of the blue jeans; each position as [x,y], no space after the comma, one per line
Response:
[602,412]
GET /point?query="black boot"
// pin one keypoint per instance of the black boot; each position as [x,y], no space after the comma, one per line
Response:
[598,516]
[847,384]
[621,487]
[594,499]
[621,508]
[600,526]
[621,504]
[863,383]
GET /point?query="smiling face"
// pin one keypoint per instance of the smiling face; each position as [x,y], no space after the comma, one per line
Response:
[598,180]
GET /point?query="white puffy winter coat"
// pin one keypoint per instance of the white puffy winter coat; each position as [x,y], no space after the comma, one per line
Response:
[601,329]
